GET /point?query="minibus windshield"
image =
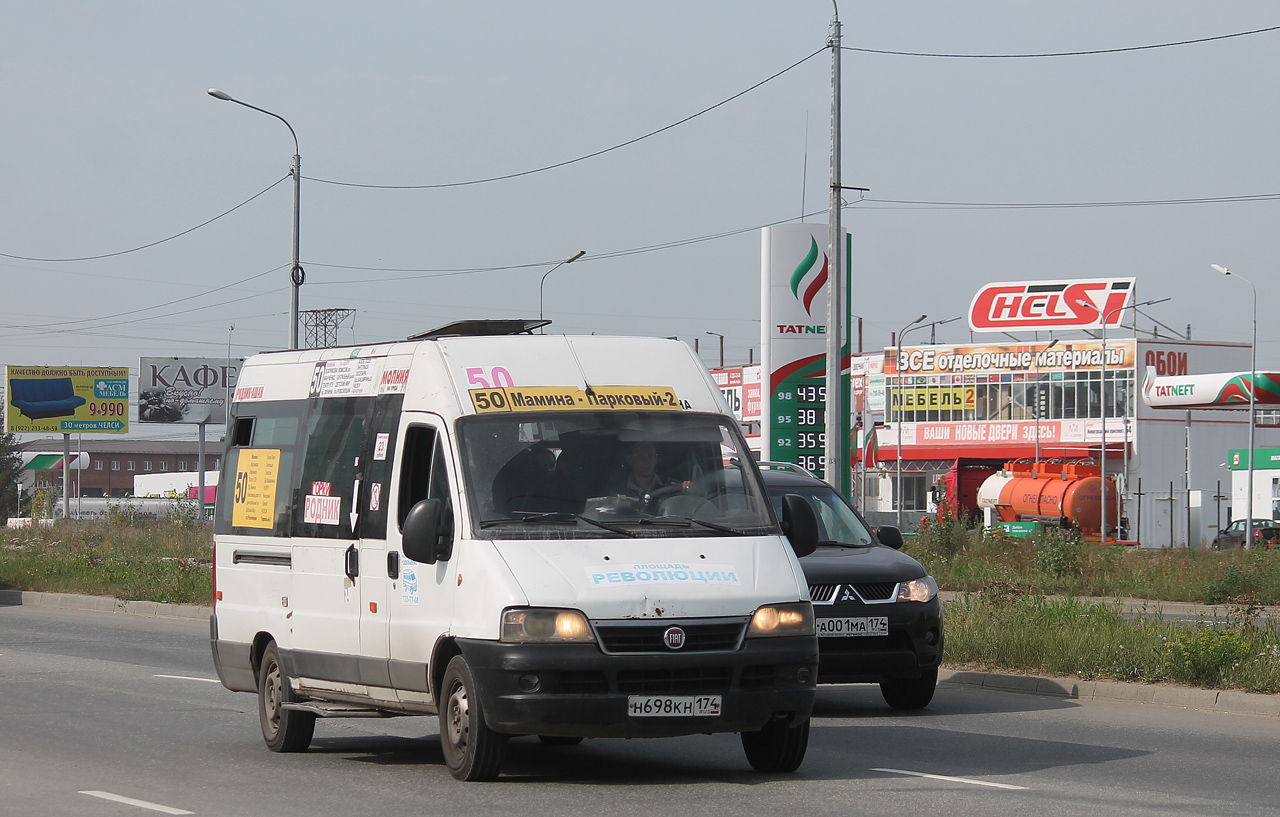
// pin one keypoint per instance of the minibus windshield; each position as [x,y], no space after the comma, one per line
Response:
[601,474]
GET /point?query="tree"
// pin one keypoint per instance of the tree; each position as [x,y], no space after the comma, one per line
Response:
[10,472]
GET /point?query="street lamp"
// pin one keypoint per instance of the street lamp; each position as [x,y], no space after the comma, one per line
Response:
[933,327]
[1253,376]
[1038,387]
[568,260]
[897,363]
[1103,399]
[717,334]
[296,274]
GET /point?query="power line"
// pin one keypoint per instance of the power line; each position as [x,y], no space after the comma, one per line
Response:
[580,158]
[153,243]
[1062,53]
[908,204]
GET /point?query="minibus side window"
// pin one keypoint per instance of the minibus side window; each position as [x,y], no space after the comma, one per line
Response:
[261,432]
[425,475]
[327,480]
[379,456]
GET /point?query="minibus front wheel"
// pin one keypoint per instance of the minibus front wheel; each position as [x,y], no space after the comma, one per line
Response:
[778,747]
[472,750]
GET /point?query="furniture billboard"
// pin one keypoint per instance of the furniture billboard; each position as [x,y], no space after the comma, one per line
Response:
[66,400]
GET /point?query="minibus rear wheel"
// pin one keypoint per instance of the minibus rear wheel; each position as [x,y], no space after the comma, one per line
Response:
[778,747]
[284,730]
[472,750]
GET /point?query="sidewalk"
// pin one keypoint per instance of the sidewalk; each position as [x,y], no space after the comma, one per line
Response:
[1206,700]
[1168,610]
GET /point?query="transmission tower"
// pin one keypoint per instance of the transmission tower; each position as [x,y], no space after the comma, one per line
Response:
[321,326]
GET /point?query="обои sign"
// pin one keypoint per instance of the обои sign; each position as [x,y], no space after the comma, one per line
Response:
[1041,305]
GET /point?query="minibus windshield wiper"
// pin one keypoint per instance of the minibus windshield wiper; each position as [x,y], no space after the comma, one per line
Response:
[685,521]
[557,516]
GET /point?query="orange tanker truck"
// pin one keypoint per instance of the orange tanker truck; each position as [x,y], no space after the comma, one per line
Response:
[1066,492]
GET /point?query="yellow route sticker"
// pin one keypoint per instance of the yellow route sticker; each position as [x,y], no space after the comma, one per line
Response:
[257,472]
[570,398]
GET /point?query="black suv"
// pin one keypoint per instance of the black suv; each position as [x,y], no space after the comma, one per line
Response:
[878,613]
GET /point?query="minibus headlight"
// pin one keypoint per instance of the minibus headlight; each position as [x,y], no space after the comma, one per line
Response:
[923,589]
[783,619]
[541,625]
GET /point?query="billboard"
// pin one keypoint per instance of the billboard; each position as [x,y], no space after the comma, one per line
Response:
[1012,357]
[66,400]
[1031,306]
[793,304]
[1224,390]
[185,389]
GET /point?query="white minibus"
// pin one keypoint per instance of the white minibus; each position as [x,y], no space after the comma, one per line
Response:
[542,535]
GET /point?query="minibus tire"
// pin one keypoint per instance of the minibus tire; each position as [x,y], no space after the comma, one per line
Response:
[778,747]
[559,740]
[472,751]
[284,730]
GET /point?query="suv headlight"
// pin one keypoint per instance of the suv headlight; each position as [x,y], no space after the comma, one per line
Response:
[542,625]
[783,619]
[923,589]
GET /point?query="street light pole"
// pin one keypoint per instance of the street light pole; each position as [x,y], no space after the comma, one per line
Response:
[1102,459]
[897,364]
[296,274]
[568,260]
[717,334]
[1038,387]
[1253,377]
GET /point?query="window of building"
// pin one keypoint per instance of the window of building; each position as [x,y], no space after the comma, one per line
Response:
[164,465]
[914,492]
[146,465]
[131,465]
[115,465]
[182,465]
[98,465]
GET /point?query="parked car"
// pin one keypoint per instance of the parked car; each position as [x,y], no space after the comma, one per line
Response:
[1233,535]
[877,609]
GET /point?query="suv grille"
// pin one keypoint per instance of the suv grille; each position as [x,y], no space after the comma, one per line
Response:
[721,635]
[822,592]
[875,591]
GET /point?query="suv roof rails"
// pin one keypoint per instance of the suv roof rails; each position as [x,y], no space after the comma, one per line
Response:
[477,328]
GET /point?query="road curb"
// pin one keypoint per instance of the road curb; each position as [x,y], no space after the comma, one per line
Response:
[1226,701]
[103,604]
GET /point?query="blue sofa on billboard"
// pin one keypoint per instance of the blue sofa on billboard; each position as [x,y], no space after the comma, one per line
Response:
[39,398]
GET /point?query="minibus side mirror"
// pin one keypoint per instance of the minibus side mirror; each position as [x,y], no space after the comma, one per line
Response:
[800,524]
[421,531]
[890,536]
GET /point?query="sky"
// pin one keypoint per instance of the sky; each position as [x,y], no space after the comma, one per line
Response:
[112,143]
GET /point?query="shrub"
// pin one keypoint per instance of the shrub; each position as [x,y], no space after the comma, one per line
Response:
[1058,554]
[1206,655]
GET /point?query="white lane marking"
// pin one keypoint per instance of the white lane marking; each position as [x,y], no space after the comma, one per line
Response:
[968,780]
[187,678]
[129,801]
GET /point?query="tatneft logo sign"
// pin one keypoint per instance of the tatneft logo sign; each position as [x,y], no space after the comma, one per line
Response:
[1034,305]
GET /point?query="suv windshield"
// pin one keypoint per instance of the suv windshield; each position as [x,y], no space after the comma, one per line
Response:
[609,474]
[837,523]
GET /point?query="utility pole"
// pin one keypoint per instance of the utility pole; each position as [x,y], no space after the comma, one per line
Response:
[833,467]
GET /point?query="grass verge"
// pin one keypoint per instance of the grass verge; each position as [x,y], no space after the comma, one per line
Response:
[1058,563]
[167,561]
[1002,629]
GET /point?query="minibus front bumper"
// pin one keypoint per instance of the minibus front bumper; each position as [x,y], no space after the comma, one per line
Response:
[576,690]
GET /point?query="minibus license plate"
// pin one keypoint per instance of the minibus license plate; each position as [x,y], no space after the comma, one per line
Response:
[872,625]
[673,706]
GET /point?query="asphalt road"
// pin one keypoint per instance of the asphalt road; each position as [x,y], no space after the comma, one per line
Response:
[124,707]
